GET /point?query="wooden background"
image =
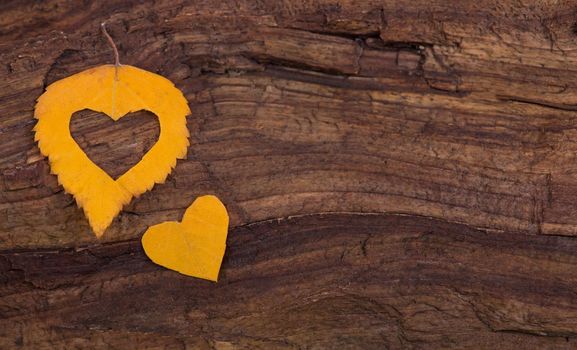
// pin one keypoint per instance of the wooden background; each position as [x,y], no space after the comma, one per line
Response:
[399,175]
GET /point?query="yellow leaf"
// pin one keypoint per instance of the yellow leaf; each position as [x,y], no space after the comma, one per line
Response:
[195,246]
[115,91]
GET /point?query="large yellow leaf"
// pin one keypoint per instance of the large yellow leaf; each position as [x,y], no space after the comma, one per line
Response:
[195,246]
[115,91]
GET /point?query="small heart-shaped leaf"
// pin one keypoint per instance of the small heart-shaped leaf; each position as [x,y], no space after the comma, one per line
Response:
[195,246]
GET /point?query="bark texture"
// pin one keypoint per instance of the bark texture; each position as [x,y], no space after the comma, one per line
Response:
[399,174]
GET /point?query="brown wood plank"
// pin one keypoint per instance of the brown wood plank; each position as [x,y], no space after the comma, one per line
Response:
[441,131]
[319,281]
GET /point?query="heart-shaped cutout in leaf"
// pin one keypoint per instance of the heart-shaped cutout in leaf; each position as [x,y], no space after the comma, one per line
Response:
[114,146]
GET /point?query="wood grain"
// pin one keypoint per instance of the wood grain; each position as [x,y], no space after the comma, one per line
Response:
[321,281]
[440,134]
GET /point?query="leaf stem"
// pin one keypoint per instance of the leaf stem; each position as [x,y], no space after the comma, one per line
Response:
[111,42]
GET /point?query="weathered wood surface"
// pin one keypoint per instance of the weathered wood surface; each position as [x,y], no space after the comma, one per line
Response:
[399,174]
